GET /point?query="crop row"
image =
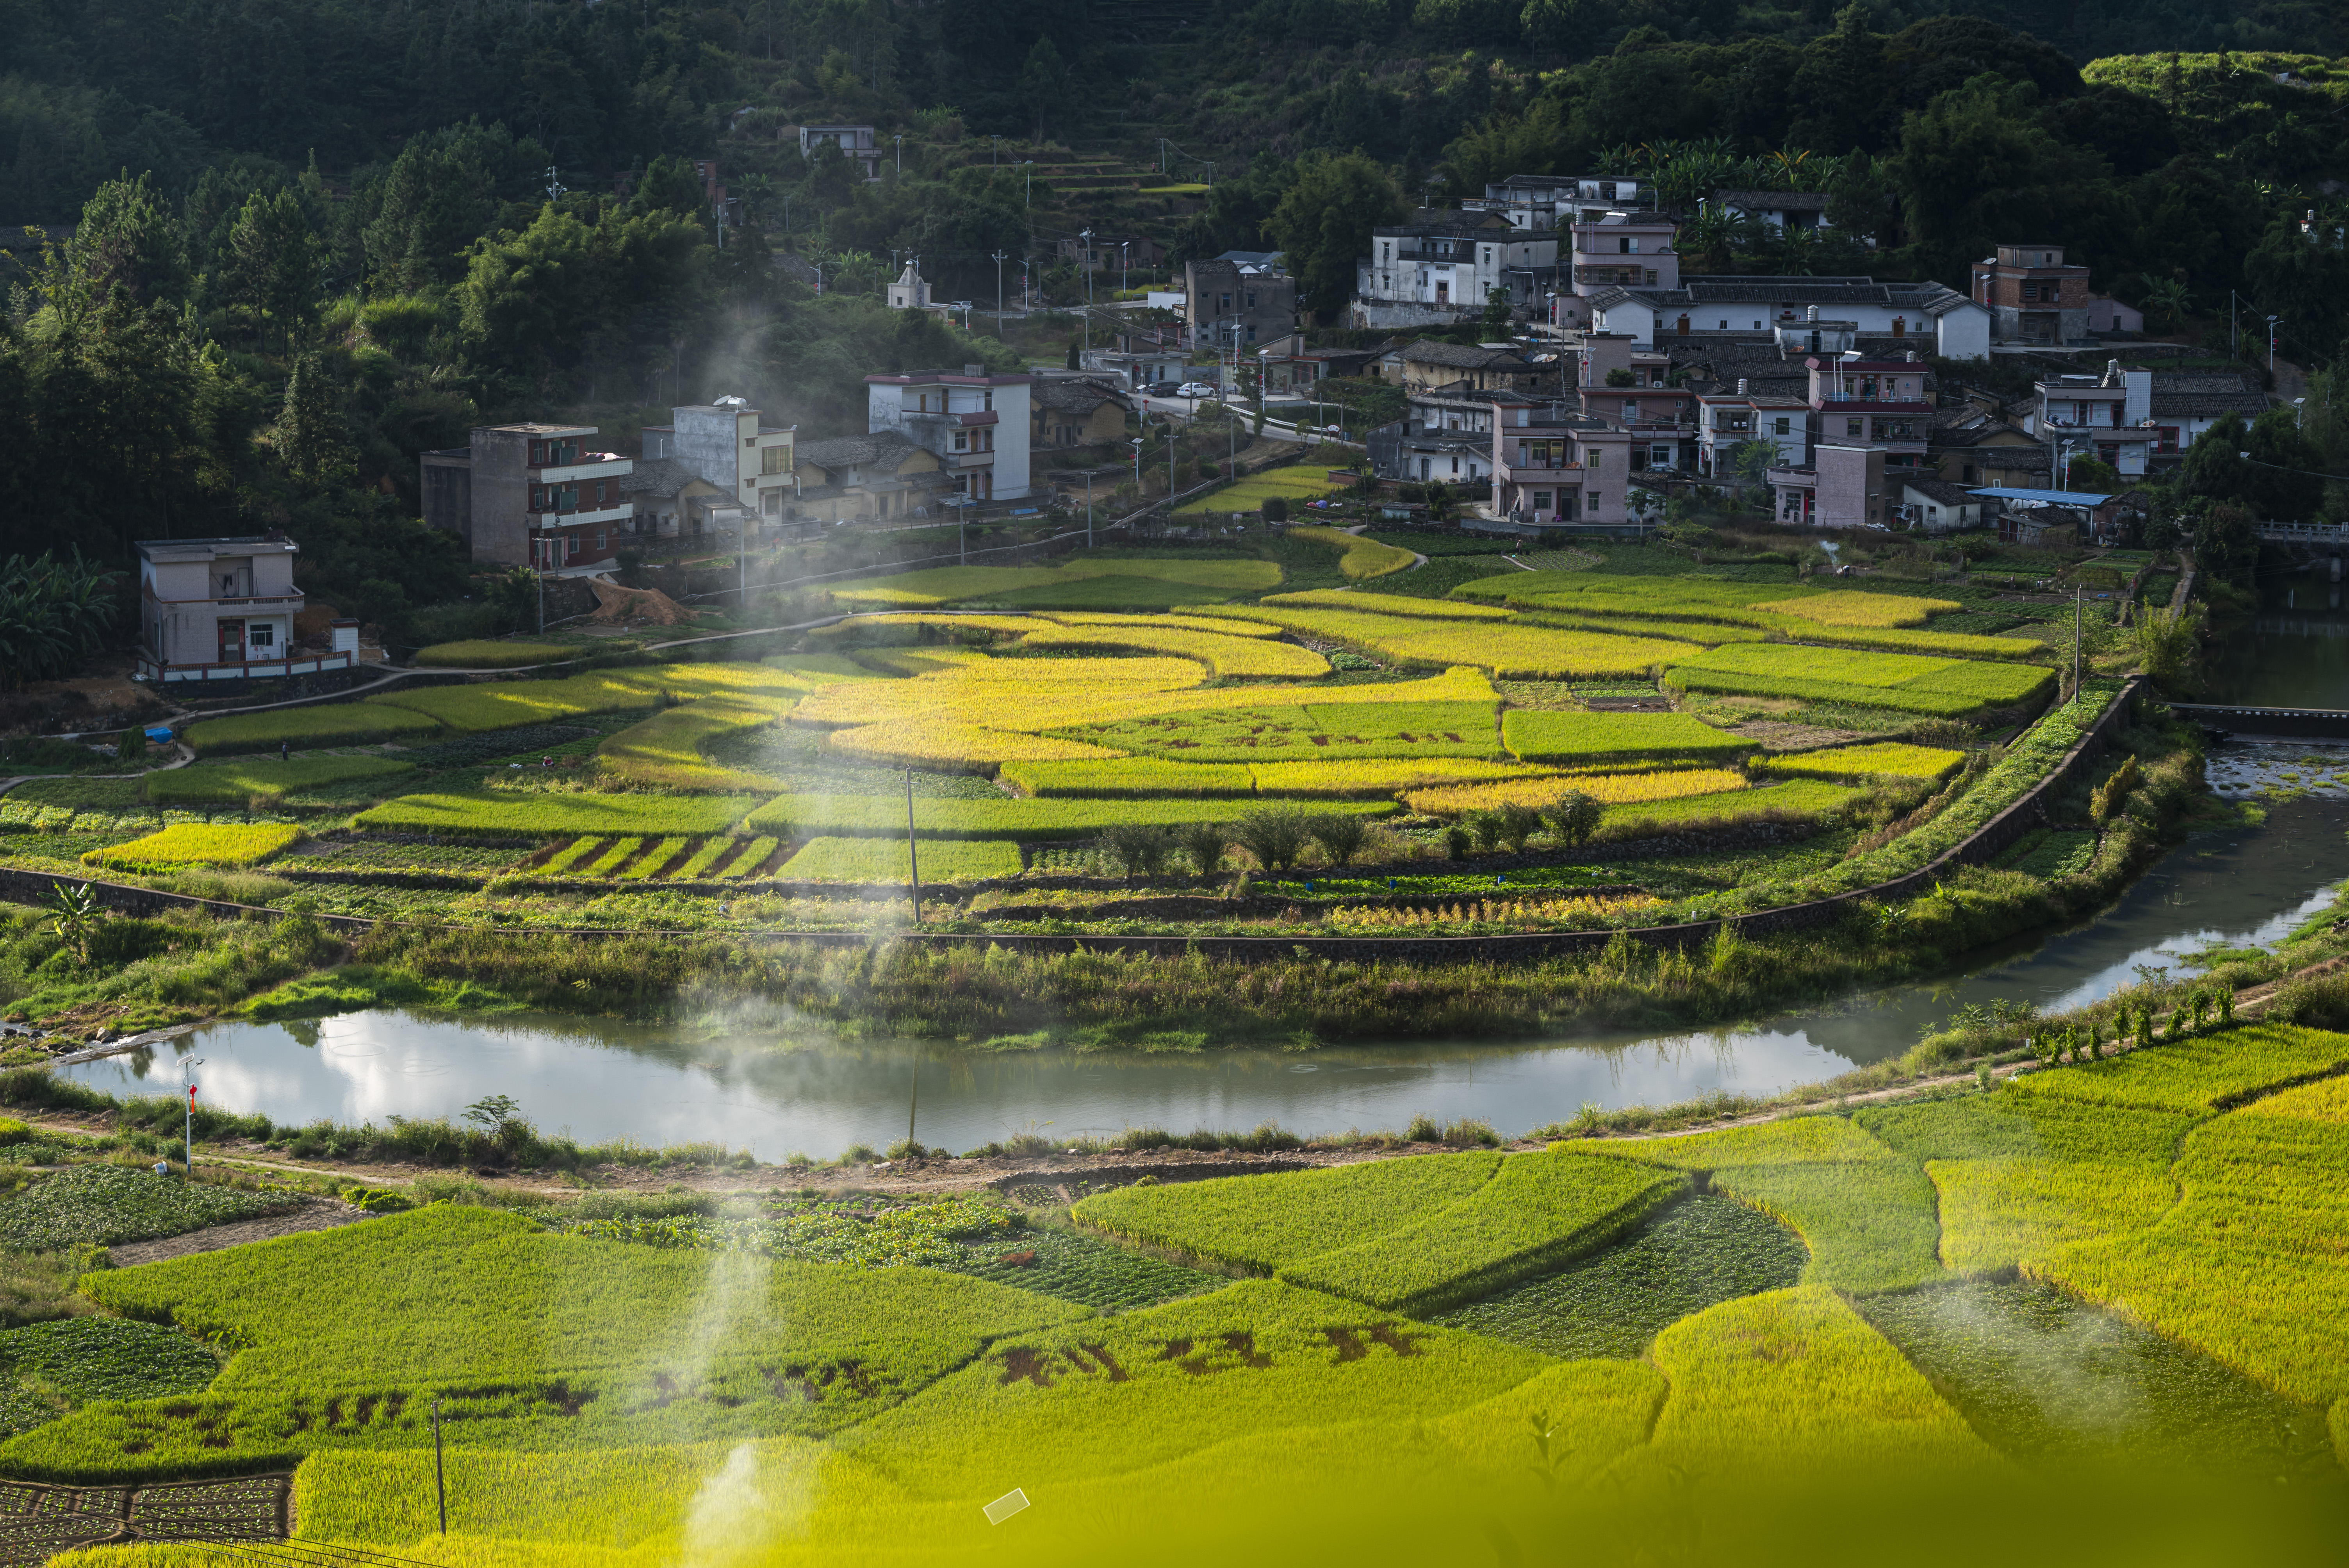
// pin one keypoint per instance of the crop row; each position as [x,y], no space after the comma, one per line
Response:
[1359,559]
[234,783]
[498,813]
[1225,656]
[1128,777]
[1894,759]
[1323,732]
[863,816]
[1942,705]
[1539,734]
[1607,788]
[1483,912]
[197,843]
[667,748]
[1505,648]
[955,584]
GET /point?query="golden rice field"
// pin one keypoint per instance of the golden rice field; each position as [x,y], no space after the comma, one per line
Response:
[198,843]
[1607,788]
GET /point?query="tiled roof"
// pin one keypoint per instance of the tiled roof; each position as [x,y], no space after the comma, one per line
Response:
[1462,356]
[658,476]
[883,450]
[1940,490]
[2209,405]
[1072,397]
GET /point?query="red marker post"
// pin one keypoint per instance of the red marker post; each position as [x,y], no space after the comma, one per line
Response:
[189,1066]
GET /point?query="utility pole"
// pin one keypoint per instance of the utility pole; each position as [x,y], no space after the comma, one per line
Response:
[1084,260]
[901,155]
[1029,199]
[440,1471]
[2272,324]
[998,295]
[1088,508]
[187,1068]
[2076,642]
[913,864]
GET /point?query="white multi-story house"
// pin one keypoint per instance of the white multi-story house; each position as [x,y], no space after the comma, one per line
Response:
[1443,266]
[1554,200]
[1726,420]
[1937,320]
[974,422]
[223,609]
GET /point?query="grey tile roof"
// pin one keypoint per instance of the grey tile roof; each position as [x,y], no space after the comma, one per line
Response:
[2209,405]
[661,478]
[1940,490]
[883,451]
[1462,356]
[1072,397]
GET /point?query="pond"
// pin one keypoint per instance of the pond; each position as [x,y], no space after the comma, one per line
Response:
[776,1088]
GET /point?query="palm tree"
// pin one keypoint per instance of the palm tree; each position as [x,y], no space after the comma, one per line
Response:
[2168,298]
[1786,166]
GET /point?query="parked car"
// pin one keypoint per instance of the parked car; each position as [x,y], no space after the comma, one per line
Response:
[1164,389]
[1198,390]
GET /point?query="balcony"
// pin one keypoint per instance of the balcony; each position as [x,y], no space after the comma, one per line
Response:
[572,473]
[612,513]
[1614,274]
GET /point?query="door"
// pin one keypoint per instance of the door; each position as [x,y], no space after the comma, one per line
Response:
[231,641]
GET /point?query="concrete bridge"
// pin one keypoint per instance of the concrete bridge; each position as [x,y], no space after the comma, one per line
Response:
[2322,534]
[2252,718]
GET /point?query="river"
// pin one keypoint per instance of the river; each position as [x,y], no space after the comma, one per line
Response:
[775,1088]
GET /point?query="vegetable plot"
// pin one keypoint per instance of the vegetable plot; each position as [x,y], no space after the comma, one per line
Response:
[197,843]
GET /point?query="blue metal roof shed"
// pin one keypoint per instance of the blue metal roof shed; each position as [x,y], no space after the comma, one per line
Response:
[2046,497]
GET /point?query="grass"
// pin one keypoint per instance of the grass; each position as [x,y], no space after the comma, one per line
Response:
[1697,1254]
[325,724]
[872,816]
[1533,735]
[888,861]
[504,814]
[236,783]
[197,843]
[486,654]
[1359,559]
[102,1205]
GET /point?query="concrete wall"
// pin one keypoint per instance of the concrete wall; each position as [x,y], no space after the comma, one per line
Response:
[447,481]
[499,498]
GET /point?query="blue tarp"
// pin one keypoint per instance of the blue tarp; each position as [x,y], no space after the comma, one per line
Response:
[2046,497]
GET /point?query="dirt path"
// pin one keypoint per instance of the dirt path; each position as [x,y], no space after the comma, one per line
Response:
[315,1214]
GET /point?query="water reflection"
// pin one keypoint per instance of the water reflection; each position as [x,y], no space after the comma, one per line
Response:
[774,1089]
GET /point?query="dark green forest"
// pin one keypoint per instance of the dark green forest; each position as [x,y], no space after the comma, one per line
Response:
[281,246]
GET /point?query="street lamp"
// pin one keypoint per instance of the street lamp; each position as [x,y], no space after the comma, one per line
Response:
[1028,198]
[2272,324]
[901,154]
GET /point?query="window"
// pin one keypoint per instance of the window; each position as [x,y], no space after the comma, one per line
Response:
[2165,439]
[962,441]
[538,498]
[261,635]
[1785,425]
[1851,427]
[600,541]
[1623,247]
[1596,501]
[1456,465]
[1251,299]
[1724,324]
[1541,500]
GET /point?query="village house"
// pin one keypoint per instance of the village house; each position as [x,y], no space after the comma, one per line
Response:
[1557,471]
[1934,505]
[1728,420]
[1445,434]
[1104,252]
[1236,301]
[224,609]
[1490,367]
[881,477]
[2033,295]
[1613,252]
[1441,267]
[528,495]
[1555,200]
[858,143]
[1936,320]
[975,421]
[1632,388]
[727,446]
[1778,211]
[1076,413]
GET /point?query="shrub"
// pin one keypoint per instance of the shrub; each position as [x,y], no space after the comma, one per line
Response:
[1140,847]
[1339,836]
[1574,817]
[1273,834]
[1205,843]
[1519,823]
[1276,509]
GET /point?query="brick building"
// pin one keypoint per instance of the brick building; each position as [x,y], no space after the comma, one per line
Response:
[2033,294]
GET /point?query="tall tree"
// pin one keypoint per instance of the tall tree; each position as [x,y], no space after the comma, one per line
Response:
[1324,221]
[275,264]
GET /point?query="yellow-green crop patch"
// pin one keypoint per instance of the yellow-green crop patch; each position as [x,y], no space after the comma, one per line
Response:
[669,747]
[501,705]
[870,815]
[964,584]
[889,861]
[1129,777]
[2198,1074]
[1385,605]
[518,813]
[1359,559]
[1504,648]
[1239,657]
[486,654]
[198,844]
[1318,731]
[1910,682]
[233,783]
[1297,482]
[1584,739]
[1895,759]
[325,724]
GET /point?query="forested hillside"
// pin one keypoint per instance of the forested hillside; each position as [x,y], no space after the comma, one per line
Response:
[290,243]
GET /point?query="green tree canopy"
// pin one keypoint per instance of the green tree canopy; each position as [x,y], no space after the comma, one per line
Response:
[1324,221]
